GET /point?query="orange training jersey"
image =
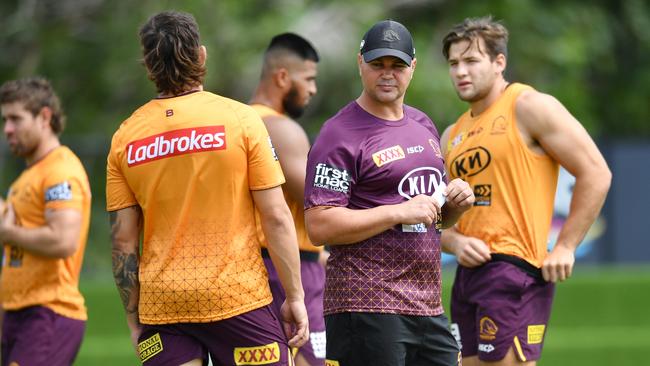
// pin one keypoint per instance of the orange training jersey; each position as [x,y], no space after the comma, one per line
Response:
[296,207]
[190,163]
[56,182]
[514,186]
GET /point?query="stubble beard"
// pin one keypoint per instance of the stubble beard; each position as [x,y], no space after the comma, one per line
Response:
[474,96]
[26,146]
[22,150]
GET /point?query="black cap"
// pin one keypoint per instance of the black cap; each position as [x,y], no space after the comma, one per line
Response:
[387,38]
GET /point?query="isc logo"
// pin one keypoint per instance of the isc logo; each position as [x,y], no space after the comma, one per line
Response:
[414,149]
[485,347]
[470,162]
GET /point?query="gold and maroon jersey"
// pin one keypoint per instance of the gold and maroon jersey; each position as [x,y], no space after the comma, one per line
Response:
[56,182]
[514,186]
[190,162]
[296,207]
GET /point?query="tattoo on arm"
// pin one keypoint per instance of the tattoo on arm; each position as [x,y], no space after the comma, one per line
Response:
[125,267]
[125,272]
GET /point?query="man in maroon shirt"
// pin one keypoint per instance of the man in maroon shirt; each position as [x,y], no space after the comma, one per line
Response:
[373,175]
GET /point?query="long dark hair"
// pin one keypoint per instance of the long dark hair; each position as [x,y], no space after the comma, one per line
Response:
[170,45]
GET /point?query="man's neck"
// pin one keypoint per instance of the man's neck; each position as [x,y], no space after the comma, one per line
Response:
[495,93]
[393,111]
[185,91]
[46,146]
[268,98]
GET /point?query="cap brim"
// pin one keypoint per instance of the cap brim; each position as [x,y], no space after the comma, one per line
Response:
[381,52]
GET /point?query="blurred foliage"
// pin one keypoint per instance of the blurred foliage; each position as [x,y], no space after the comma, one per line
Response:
[593,56]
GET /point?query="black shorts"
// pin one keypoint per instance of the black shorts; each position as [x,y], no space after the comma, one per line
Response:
[362,339]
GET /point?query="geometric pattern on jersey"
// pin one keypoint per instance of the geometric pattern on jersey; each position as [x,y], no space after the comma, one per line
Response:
[190,162]
[360,161]
[183,288]
[369,275]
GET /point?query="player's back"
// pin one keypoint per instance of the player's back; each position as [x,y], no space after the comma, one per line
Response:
[190,162]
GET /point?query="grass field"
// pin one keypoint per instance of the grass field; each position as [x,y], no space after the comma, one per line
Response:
[600,317]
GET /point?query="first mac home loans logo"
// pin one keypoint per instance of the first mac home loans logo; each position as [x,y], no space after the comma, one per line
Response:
[334,179]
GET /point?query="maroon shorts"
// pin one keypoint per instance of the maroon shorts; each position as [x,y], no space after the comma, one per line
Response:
[313,282]
[38,336]
[498,306]
[252,338]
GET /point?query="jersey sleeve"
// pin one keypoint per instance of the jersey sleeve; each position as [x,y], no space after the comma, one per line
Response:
[118,192]
[264,169]
[65,187]
[331,171]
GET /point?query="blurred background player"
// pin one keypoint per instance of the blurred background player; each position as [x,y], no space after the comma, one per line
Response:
[508,146]
[44,230]
[287,84]
[188,169]
[371,175]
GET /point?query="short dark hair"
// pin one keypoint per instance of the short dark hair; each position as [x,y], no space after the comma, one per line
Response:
[35,93]
[493,33]
[294,44]
[288,44]
[170,45]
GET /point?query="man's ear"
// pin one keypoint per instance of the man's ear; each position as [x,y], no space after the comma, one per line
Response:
[359,62]
[413,63]
[203,55]
[501,63]
[281,78]
[45,117]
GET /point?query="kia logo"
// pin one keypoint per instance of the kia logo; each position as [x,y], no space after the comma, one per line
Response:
[424,180]
[470,162]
